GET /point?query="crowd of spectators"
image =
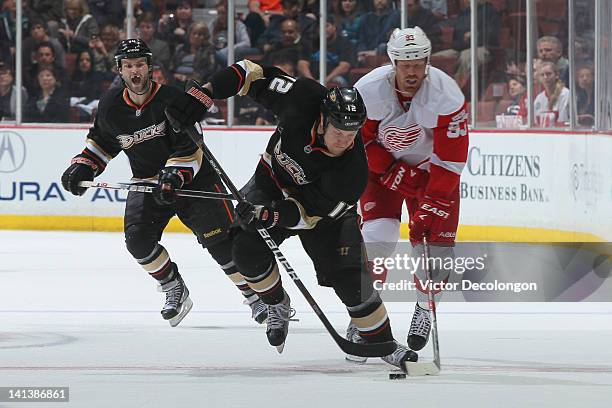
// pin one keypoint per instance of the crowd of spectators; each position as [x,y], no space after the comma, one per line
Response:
[69,45]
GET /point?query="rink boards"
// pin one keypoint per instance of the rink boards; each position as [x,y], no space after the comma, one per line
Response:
[516,186]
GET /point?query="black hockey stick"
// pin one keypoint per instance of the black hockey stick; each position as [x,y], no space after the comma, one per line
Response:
[151,188]
[357,349]
[433,367]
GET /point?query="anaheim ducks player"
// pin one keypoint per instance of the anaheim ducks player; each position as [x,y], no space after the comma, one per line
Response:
[416,139]
[307,183]
[132,119]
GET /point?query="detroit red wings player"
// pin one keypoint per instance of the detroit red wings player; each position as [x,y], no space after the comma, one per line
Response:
[416,139]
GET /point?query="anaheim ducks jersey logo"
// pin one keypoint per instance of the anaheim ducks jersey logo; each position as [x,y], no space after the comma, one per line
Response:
[291,166]
[396,139]
[153,131]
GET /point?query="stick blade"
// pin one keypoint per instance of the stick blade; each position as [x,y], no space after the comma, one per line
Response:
[419,369]
[365,349]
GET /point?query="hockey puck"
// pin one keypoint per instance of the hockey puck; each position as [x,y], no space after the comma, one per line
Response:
[397,376]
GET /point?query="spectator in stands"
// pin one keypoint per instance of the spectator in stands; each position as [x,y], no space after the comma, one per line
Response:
[104,47]
[173,27]
[159,75]
[350,15]
[49,11]
[291,46]
[340,58]
[152,5]
[38,34]
[8,93]
[44,57]
[77,26]
[515,63]
[585,96]
[439,8]
[258,17]
[518,93]
[218,30]
[375,29]
[551,106]
[550,49]
[85,86]
[583,51]
[291,9]
[159,47]
[106,11]
[137,11]
[488,21]
[424,18]
[196,58]
[8,28]
[312,7]
[85,82]
[50,104]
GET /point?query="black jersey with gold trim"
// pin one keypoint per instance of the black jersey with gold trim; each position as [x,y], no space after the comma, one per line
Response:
[296,164]
[143,133]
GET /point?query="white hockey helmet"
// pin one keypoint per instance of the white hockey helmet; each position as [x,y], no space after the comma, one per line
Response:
[408,44]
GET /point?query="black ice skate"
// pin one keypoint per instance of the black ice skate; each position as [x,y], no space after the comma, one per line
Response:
[400,357]
[259,310]
[352,334]
[278,322]
[178,303]
[419,328]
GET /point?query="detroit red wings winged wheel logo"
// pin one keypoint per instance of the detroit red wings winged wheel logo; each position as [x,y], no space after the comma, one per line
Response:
[396,139]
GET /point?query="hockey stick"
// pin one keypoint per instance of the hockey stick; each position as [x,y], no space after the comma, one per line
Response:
[357,349]
[151,188]
[433,367]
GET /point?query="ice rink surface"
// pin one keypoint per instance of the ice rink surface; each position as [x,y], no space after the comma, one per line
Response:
[77,311]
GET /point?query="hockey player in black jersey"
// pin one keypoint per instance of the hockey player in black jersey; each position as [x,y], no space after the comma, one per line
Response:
[307,183]
[132,119]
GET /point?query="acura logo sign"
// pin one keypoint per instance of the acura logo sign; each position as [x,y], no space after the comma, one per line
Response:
[12,152]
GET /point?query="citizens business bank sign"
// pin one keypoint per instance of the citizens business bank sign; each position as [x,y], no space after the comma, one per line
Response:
[498,175]
[538,180]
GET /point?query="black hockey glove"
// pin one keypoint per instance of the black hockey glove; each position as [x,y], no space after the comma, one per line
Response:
[251,216]
[81,169]
[170,179]
[189,108]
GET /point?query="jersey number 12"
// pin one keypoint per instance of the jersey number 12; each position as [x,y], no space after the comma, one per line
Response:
[281,84]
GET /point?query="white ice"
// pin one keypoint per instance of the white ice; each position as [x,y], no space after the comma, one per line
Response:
[77,311]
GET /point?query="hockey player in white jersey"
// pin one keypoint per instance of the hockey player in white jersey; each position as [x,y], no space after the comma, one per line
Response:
[416,139]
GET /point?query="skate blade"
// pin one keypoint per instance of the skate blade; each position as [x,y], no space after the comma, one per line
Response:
[185,308]
[418,369]
[280,348]
[355,359]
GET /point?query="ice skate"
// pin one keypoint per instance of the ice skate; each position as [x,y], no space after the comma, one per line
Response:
[401,356]
[419,328]
[178,303]
[352,334]
[278,322]
[259,310]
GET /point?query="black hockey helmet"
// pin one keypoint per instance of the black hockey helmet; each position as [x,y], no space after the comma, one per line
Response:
[344,108]
[132,48]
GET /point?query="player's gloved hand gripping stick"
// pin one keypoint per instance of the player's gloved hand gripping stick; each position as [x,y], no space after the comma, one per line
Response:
[358,349]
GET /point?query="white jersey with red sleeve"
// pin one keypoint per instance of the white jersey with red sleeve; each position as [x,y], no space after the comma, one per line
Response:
[430,131]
